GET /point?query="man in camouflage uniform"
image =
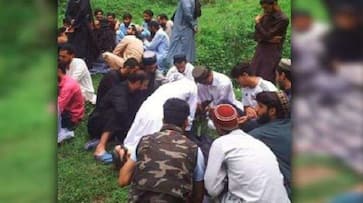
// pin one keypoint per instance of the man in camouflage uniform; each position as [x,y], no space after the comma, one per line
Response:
[167,166]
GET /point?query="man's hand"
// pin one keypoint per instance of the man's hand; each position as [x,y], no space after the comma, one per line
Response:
[258,18]
[251,112]
[195,29]
[242,120]
[275,39]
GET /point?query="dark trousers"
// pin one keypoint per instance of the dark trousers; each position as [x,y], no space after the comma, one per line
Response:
[66,121]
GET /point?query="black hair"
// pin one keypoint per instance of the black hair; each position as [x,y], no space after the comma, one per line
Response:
[66,21]
[139,75]
[62,67]
[287,72]
[176,111]
[126,15]
[111,14]
[241,68]
[98,10]
[131,63]
[154,24]
[67,47]
[268,1]
[61,31]
[300,13]
[271,100]
[149,12]
[163,16]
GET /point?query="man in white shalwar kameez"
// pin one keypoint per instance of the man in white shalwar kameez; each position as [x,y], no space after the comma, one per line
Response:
[149,118]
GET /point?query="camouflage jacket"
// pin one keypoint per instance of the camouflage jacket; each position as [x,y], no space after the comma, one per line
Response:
[164,167]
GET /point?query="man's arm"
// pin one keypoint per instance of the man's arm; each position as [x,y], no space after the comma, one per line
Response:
[215,174]
[126,172]
[188,13]
[120,47]
[198,177]
[153,45]
[271,33]
[198,191]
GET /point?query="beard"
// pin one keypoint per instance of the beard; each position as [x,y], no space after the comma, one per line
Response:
[263,119]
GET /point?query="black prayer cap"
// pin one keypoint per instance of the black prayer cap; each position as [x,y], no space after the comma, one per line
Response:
[179,58]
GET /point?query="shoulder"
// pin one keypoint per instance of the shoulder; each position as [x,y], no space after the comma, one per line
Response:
[267,85]
[222,79]
[79,63]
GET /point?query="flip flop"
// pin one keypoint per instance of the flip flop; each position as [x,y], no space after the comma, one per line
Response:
[105,158]
[91,144]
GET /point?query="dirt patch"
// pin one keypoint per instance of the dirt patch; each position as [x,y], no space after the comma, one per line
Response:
[308,175]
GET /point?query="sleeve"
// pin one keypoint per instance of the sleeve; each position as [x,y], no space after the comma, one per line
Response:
[120,47]
[77,73]
[215,173]
[226,93]
[64,97]
[192,101]
[199,167]
[203,94]
[153,45]
[270,33]
[188,12]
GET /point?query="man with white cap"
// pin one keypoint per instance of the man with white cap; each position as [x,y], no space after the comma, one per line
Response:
[284,77]
[156,78]
[241,168]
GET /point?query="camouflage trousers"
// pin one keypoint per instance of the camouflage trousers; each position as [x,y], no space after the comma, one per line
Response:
[138,196]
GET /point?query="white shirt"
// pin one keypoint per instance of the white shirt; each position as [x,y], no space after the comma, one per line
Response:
[249,165]
[149,118]
[187,72]
[219,91]
[249,94]
[78,71]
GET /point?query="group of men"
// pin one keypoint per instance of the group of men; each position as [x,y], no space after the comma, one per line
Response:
[150,108]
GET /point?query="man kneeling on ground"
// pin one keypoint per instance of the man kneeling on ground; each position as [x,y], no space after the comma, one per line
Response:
[167,166]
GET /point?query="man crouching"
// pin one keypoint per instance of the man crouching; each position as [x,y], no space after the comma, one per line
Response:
[167,166]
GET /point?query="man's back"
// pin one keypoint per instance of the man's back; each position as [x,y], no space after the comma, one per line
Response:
[165,165]
[70,98]
[78,71]
[277,136]
[251,168]
[129,47]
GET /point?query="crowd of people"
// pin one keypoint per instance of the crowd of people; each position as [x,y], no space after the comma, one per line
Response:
[150,98]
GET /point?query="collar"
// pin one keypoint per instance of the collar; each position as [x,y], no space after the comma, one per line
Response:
[172,127]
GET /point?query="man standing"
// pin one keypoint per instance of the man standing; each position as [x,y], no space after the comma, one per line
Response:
[241,168]
[79,13]
[270,31]
[167,166]
[158,44]
[77,69]
[273,115]
[183,34]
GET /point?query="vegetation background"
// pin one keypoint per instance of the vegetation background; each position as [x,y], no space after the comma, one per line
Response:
[34,169]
